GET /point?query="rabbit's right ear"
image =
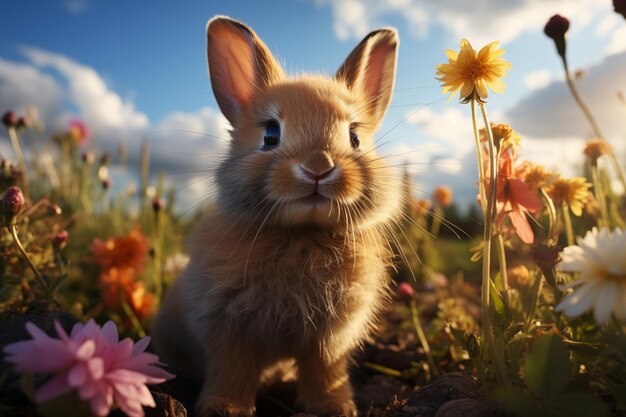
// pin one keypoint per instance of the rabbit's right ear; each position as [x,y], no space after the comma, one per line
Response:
[239,65]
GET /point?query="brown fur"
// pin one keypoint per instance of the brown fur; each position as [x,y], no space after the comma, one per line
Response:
[278,276]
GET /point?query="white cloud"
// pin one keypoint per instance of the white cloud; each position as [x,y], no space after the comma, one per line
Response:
[617,43]
[537,79]
[551,112]
[186,146]
[480,21]
[104,108]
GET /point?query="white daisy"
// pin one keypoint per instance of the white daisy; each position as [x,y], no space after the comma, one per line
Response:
[600,261]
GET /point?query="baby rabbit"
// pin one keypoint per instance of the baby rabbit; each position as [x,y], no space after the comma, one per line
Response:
[291,268]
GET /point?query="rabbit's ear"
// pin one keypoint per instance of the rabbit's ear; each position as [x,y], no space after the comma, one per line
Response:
[239,65]
[370,69]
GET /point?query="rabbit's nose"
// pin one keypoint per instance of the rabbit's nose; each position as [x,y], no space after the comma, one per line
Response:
[318,165]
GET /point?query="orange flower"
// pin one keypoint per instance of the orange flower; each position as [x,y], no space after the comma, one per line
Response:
[595,148]
[514,200]
[442,196]
[420,207]
[115,283]
[141,302]
[128,251]
[119,284]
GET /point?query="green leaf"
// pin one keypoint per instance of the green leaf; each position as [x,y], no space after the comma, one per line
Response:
[547,369]
[500,310]
[517,402]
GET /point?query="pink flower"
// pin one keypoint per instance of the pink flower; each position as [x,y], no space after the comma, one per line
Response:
[92,361]
[79,132]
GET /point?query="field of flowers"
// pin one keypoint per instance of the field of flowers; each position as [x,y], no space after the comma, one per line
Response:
[528,305]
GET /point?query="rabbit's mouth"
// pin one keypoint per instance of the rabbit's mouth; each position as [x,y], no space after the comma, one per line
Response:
[313,199]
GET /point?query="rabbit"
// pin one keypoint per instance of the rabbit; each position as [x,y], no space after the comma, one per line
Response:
[290,271]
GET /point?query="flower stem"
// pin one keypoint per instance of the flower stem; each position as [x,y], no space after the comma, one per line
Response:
[502,261]
[479,158]
[567,220]
[488,341]
[436,225]
[422,337]
[19,245]
[592,121]
[535,291]
[552,234]
[21,162]
[599,191]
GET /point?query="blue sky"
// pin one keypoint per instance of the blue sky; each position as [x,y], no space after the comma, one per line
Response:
[137,69]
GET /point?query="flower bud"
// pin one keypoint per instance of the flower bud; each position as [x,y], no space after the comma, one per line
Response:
[22,123]
[9,119]
[106,183]
[88,157]
[54,209]
[556,28]
[158,204]
[406,292]
[60,240]
[11,205]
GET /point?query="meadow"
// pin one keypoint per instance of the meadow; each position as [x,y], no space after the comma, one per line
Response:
[517,307]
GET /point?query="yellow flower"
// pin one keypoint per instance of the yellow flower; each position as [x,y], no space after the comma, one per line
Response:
[535,176]
[503,136]
[595,148]
[573,192]
[471,73]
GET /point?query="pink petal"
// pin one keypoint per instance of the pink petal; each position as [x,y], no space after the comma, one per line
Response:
[36,332]
[522,228]
[523,197]
[86,350]
[54,387]
[77,375]
[39,356]
[109,332]
[141,345]
[96,367]
[102,400]
[61,332]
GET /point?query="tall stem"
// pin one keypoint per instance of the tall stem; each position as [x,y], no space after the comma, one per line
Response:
[567,220]
[552,234]
[592,121]
[21,162]
[488,337]
[502,262]
[16,239]
[422,337]
[479,158]
[599,191]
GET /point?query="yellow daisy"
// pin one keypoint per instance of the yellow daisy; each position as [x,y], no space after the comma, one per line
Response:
[573,192]
[471,73]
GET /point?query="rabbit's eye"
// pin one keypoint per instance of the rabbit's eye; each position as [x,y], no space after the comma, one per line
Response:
[271,137]
[355,142]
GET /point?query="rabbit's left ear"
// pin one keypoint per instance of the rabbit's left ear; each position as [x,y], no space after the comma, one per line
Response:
[370,69]
[240,65]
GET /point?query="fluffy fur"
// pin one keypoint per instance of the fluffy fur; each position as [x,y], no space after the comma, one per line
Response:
[292,266]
